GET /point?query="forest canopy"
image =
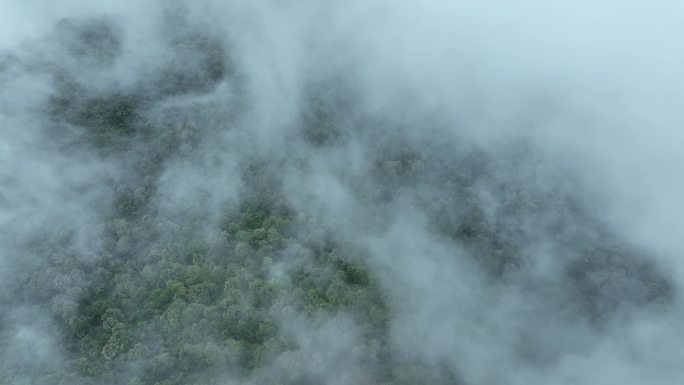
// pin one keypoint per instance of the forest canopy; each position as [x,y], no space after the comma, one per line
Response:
[178,208]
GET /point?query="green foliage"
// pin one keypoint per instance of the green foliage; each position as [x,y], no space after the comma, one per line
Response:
[177,313]
[170,299]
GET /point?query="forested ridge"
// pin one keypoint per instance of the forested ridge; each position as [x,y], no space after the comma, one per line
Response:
[208,262]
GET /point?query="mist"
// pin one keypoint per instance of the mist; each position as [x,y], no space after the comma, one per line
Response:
[366,192]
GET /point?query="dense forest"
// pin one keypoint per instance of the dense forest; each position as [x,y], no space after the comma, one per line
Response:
[165,225]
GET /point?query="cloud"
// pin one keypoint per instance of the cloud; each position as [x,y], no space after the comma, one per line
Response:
[507,173]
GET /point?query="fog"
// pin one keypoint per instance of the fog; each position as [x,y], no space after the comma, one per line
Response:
[360,192]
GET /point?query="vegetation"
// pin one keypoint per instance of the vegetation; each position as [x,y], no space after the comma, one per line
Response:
[169,298]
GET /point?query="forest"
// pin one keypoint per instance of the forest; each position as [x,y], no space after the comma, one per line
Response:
[167,219]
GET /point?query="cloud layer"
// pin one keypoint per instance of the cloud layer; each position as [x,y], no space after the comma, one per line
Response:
[500,181]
